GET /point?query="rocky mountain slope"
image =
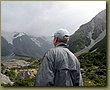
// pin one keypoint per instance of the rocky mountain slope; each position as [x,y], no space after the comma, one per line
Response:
[89,44]
[89,34]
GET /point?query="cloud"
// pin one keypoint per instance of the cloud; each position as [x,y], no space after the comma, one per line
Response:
[44,17]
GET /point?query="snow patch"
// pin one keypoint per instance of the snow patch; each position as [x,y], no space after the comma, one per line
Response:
[9,36]
[91,32]
[90,37]
[20,40]
[36,41]
[19,35]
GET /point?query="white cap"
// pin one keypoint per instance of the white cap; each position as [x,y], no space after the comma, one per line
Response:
[62,34]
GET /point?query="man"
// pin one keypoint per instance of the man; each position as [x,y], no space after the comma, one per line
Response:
[59,67]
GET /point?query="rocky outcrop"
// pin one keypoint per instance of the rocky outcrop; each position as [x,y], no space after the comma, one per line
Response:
[5,80]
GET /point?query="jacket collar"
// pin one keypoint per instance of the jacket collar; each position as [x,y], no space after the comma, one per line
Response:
[62,45]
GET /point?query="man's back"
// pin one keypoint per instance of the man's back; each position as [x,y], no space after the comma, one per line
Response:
[59,68]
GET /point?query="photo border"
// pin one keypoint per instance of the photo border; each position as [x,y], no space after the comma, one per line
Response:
[71,88]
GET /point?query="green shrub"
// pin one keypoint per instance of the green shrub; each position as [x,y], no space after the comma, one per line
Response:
[94,65]
[11,74]
[24,82]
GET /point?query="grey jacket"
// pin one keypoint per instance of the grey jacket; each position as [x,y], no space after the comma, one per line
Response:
[59,67]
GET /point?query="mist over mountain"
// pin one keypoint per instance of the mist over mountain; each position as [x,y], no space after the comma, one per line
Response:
[86,37]
[89,34]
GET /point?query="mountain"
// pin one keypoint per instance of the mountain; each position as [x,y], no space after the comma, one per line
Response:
[89,34]
[6,48]
[26,45]
[43,42]
[89,44]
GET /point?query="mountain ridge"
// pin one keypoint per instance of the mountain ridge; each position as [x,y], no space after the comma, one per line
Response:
[88,34]
[28,45]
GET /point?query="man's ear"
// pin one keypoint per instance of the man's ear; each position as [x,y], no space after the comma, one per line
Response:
[56,40]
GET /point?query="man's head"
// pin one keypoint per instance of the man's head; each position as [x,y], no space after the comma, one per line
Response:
[62,35]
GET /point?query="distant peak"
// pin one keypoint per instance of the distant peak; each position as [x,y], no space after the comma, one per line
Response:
[17,34]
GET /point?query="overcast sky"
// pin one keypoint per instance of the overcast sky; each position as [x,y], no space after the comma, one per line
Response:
[45,17]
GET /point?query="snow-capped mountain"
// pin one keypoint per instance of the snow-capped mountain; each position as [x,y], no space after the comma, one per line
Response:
[89,34]
[27,45]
